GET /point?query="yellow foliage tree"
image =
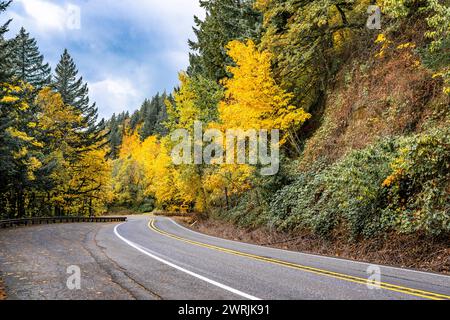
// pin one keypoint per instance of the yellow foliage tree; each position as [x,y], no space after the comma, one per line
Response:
[253,94]
[144,169]
[80,177]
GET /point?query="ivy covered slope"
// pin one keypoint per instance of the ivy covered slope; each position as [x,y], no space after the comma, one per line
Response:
[376,153]
[370,175]
[374,156]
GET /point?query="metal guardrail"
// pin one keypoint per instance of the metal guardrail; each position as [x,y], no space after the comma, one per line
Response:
[53,220]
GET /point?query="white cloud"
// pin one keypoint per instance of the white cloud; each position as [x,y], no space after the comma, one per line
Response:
[175,15]
[179,59]
[126,50]
[114,95]
[173,18]
[45,16]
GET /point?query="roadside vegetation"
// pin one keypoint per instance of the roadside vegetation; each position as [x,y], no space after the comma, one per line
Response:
[364,116]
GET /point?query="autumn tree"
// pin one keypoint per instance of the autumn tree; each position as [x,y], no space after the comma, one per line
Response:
[78,180]
[196,100]
[253,94]
[305,38]
[52,160]
[133,174]
[19,147]
[226,20]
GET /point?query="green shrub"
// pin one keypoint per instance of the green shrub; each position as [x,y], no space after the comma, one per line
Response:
[395,185]
[298,204]
[357,195]
[348,195]
[419,185]
[400,184]
[147,205]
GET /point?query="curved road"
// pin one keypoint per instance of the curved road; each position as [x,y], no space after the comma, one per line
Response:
[155,258]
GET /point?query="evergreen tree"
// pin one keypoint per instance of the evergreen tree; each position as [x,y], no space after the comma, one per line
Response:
[5,63]
[154,114]
[28,62]
[160,128]
[75,93]
[5,119]
[114,138]
[116,128]
[3,6]
[136,119]
[226,20]
[149,110]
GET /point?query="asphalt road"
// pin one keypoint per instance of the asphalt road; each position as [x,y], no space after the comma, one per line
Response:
[155,258]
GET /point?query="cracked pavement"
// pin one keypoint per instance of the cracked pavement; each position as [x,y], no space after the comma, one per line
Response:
[34,262]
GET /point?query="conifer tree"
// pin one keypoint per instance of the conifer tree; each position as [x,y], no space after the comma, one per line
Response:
[154,113]
[28,62]
[115,136]
[226,20]
[75,93]
[5,47]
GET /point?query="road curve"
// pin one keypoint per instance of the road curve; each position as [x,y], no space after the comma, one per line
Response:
[249,271]
[156,258]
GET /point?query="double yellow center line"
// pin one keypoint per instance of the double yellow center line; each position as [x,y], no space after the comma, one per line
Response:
[322,272]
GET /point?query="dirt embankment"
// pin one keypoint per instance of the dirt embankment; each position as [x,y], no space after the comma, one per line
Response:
[413,252]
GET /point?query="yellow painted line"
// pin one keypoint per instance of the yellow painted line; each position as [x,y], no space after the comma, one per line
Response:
[322,272]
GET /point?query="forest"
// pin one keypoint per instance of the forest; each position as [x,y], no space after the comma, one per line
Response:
[363,113]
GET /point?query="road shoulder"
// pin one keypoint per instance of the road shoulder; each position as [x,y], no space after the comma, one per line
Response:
[34,264]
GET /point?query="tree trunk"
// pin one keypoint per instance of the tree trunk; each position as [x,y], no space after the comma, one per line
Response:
[20,203]
[227,199]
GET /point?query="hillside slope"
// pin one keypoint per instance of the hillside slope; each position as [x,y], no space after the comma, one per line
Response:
[373,181]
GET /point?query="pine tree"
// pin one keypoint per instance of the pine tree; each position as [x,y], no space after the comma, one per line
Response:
[115,136]
[28,62]
[3,6]
[150,111]
[226,20]
[75,93]
[135,120]
[5,119]
[160,128]
[5,47]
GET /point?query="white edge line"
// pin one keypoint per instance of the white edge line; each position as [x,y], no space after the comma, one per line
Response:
[311,255]
[215,283]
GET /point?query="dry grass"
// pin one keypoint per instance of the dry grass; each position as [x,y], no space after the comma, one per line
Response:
[413,252]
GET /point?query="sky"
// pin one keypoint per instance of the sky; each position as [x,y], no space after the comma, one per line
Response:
[126,50]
